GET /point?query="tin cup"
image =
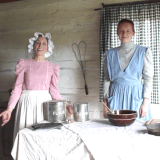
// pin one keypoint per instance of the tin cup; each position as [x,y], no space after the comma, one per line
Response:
[80,111]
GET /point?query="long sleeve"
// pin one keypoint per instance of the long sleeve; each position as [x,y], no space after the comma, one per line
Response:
[17,88]
[106,82]
[147,75]
[54,91]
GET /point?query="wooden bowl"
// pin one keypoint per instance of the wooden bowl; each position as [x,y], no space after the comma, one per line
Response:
[122,117]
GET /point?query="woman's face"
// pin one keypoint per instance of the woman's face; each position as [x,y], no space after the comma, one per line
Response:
[40,46]
[125,32]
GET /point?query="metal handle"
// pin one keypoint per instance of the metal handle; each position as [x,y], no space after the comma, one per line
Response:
[86,89]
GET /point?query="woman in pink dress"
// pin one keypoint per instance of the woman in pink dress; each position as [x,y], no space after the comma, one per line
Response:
[36,82]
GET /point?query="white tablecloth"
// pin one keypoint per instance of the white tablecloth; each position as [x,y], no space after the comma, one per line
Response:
[49,144]
[74,141]
[107,142]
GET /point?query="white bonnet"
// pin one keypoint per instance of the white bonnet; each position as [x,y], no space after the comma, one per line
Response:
[50,44]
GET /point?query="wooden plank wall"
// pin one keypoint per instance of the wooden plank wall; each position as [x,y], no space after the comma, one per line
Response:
[69,21]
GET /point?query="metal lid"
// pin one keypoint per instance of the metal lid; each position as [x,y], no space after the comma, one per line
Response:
[80,103]
[53,101]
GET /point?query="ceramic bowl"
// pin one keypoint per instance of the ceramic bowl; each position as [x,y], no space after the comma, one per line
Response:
[122,117]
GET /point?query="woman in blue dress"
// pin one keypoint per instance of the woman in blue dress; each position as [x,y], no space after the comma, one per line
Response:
[128,71]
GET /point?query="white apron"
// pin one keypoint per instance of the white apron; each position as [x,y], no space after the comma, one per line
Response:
[30,109]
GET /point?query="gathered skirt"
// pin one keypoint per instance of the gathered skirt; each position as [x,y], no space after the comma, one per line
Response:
[30,109]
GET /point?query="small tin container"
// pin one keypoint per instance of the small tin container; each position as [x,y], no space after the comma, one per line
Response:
[80,111]
[55,110]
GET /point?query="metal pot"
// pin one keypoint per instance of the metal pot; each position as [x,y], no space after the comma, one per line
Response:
[55,110]
[80,111]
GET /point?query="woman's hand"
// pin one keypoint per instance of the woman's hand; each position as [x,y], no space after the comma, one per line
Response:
[6,115]
[105,109]
[144,107]
[70,110]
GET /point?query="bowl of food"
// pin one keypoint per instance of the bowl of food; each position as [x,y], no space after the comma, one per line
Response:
[122,117]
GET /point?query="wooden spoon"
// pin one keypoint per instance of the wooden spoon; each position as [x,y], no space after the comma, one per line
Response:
[108,108]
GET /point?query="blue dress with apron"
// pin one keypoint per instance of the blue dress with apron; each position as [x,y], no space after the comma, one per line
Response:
[126,88]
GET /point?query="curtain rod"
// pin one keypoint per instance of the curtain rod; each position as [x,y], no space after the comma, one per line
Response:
[127,3]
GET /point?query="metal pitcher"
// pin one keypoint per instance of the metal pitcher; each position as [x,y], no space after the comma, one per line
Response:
[55,110]
[80,111]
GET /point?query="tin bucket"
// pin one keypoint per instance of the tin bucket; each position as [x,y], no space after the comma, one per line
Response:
[55,110]
[80,111]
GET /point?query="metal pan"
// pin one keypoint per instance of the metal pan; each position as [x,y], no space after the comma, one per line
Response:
[154,128]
